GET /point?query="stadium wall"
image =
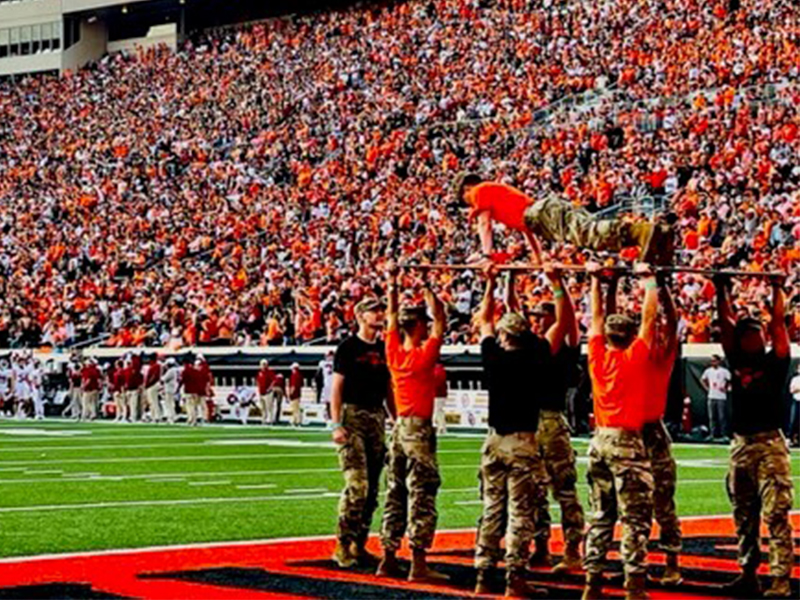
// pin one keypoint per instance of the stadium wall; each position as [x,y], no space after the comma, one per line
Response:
[467,401]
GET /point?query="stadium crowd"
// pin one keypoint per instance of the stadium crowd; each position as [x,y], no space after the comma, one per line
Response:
[249,188]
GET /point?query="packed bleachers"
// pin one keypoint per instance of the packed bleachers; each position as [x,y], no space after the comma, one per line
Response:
[249,188]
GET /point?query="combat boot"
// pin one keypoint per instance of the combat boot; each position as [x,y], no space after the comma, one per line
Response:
[656,242]
[343,555]
[780,588]
[364,557]
[388,566]
[420,571]
[635,587]
[482,587]
[541,556]
[672,572]
[745,585]
[571,561]
[594,587]
[517,587]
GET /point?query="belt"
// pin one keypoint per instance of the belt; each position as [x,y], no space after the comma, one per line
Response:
[754,438]
[415,420]
[369,409]
[617,430]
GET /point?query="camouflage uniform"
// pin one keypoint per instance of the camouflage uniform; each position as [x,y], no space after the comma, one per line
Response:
[759,478]
[621,486]
[412,482]
[361,458]
[556,220]
[509,467]
[557,471]
[658,444]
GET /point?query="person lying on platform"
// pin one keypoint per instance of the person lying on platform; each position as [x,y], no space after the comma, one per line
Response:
[556,220]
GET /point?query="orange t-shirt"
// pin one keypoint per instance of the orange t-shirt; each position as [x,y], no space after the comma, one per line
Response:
[413,375]
[505,204]
[619,381]
[660,372]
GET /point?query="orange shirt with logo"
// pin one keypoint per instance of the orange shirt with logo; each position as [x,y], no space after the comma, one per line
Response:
[413,374]
[505,204]
[619,380]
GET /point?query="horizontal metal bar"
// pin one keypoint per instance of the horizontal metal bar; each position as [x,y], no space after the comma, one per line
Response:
[582,268]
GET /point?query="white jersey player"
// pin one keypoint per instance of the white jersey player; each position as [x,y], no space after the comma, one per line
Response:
[37,389]
[242,401]
[6,389]
[326,380]
[22,385]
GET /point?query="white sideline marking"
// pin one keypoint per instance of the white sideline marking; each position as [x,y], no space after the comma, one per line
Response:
[209,483]
[307,491]
[43,472]
[166,480]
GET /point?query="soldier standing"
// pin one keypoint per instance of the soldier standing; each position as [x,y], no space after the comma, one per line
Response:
[413,478]
[759,476]
[510,459]
[360,388]
[657,441]
[619,472]
[559,472]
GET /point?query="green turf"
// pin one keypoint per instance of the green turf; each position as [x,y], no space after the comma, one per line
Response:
[69,487]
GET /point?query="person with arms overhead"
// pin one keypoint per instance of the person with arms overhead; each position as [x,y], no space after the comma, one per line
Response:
[619,471]
[510,469]
[759,475]
[412,351]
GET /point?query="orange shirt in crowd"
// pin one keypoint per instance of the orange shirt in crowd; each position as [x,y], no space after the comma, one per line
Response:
[619,380]
[659,373]
[505,204]
[413,375]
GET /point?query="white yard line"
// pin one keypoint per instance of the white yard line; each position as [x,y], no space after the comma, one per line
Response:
[266,456]
[306,491]
[206,483]
[260,486]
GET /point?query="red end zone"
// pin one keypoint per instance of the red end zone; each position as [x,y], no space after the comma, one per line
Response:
[302,568]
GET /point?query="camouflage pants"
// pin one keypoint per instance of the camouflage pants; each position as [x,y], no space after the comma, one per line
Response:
[556,220]
[412,482]
[559,473]
[509,467]
[621,486]
[759,481]
[659,449]
[361,459]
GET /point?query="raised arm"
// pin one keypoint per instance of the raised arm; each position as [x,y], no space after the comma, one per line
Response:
[647,330]
[512,302]
[726,317]
[611,293]
[598,316]
[671,316]
[391,290]
[565,312]
[436,308]
[778,330]
[486,309]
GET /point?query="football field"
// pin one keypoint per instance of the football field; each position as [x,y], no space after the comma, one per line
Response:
[68,487]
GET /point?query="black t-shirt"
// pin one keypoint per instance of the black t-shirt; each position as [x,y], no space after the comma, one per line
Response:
[757,392]
[513,378]
[366,377]
[563,375]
